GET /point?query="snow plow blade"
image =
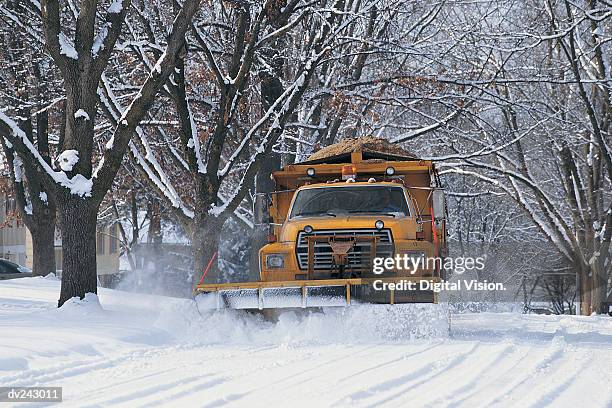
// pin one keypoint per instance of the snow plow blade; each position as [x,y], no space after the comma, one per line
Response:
[306,294]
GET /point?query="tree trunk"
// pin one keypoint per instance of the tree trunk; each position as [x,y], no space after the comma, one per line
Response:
[155,262]
[43,247]
[78,218]
[592,291]
[585,292]
[205,244]
[599,289]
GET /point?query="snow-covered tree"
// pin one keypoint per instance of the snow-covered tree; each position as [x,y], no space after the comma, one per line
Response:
[81,39]
[30,88]
[539,133]
[231,106]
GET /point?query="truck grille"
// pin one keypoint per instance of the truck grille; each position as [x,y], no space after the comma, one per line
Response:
[358,257]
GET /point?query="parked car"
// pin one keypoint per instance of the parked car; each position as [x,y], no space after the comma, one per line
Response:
[10,270]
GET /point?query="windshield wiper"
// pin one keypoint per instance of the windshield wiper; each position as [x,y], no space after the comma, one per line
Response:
[317,213]
[372,212]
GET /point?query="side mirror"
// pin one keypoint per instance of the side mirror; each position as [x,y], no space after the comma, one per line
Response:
[438,204]
[261,209]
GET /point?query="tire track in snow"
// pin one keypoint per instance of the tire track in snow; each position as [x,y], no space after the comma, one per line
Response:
[466,381]
[291,379]
[551,357]
[181,392]
[161,393]
[390,362]
[45,375]
[455,363]
[103,389]
[221,402]
[561,376]
[120,382]
[492,376]
[404,382]
[180,361]
[350,354]
[251,379]
[284,387]
[141,392]
[322,376]
[76,367]
[33,377]
[439,388]
[179,364]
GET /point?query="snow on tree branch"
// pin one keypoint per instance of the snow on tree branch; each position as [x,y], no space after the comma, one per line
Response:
[77,184]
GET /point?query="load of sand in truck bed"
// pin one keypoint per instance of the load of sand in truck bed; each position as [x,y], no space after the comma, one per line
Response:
[371,148]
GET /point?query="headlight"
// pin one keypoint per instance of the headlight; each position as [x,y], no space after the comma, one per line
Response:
[390,171]
[274,261]
[379,224]
[308,229]
[311,172]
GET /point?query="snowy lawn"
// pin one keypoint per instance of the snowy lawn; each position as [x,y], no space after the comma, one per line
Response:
[142,351]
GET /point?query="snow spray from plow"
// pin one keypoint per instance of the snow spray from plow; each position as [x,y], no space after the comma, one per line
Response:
[314,305]
[358,324]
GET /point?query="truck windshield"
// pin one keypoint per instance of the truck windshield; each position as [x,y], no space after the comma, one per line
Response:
[350,200]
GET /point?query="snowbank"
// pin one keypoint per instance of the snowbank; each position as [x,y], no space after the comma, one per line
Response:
[90,304]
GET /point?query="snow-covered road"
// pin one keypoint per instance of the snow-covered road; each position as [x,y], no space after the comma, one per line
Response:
[130,355]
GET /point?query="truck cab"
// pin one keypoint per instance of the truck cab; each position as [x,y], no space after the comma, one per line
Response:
[331,218]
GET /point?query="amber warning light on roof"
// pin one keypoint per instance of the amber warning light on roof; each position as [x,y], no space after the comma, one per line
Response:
[349,171]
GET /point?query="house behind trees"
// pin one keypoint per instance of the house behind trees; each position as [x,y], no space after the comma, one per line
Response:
[16,243]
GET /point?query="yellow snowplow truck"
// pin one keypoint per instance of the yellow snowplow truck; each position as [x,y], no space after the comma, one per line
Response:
[334,222]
